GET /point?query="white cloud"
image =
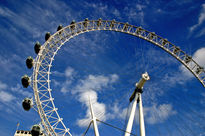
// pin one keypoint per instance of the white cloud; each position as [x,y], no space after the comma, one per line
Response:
[66,85]
[88,88]
[185,74]
[202,134]
[118,112]
[201,19]
[203,98]
[96,83]
[202,32]
[158,114]
[5,12]
[153,114]
[135,13]
[116,13]
[6,97]
[2,86]
[55,82]
[199,57]
[17,89]
[8,64]
[69,72]
[114,78]
[98,108]
[57,73]
[99,9]
[25,17]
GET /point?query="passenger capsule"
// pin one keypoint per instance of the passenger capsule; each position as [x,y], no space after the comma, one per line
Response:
[112,23]
[37,47]
[164,41]
[85,23]
[25,80]
[86,19]
[73,22]
[59,27]
[36,130]
[139,30]
[47,36]
[199,70]
[72,25]
[29,62]
[99,22]
[176,50]
[187,59]
[27,104]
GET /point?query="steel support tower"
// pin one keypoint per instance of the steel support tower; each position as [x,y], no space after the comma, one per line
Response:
[136,96]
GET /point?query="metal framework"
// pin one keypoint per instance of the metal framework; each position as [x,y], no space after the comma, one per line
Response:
[40,80]
[137,99]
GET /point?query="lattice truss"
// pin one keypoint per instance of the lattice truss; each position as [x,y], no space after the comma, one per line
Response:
[50,119]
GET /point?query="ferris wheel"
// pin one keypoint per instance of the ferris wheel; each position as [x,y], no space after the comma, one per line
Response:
[40,80]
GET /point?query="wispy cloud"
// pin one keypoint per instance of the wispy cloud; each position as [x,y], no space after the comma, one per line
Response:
[154,114]
[158,113]
[202,100]
[8,63]
[3,86]
[10,96]
[18,90]
[174,79]
[100,9]
[201,19]
[6,97]
[69,72]
[5,12]
[201,33]
[34,22]
[135,13]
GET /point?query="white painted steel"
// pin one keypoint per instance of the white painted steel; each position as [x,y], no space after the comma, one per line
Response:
[145,77]
[131,118]
[139,85]
[50,119]
[141,116]
[93,119]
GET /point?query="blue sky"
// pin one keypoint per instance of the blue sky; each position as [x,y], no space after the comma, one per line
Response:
[106,65]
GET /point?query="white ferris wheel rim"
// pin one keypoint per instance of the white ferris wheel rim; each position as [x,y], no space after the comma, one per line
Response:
[50,118]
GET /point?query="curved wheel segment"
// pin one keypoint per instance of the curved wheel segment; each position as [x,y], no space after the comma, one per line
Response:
[50,118]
